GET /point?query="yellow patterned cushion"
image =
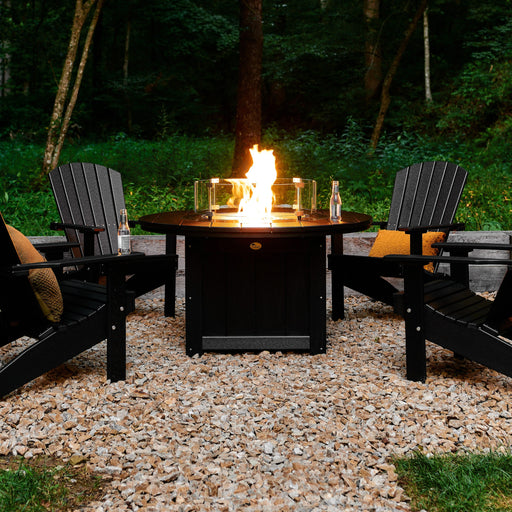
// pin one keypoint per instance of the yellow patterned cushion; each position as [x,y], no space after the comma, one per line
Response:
[398,242]
[43,281]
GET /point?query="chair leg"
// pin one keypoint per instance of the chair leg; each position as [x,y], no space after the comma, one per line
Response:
[416,358]
[117,311]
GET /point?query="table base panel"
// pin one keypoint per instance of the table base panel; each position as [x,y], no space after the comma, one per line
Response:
[256,294]
[242,343]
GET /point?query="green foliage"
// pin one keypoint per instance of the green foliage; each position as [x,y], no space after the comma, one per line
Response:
[366,181]
[496,142]
[483,90]
[181,71]
[457,482]
[45,483]
[23,207]
[305,49]
[29,211]
[487,201]
[29,489]
[20,162]
[159,175]
[34,51]
[176,160]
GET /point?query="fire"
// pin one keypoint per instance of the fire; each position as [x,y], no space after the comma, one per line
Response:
[256,191]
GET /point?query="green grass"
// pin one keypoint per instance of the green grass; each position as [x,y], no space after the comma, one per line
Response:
[457,482]
[159,175]
[467,482]
[29,489]
[43,484]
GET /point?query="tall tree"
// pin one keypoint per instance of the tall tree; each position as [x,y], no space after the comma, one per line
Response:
[372,51]
[426,47]
[67,92]
[4,51]
[126,62]
[385,98]
[248,109]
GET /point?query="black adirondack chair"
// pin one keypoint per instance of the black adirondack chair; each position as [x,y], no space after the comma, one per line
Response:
[446,312]
[92,313]
[89,198]
[425,198]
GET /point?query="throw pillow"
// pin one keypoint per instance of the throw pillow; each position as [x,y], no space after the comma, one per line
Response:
[43,281]
[398,242]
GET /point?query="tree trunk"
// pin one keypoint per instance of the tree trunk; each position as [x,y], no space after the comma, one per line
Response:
[426,45]
[372,51]
[248,111]
[59,124]
[385,98]
[126,62]
[4,52]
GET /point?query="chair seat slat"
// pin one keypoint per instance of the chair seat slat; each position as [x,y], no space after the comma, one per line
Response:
[468,305]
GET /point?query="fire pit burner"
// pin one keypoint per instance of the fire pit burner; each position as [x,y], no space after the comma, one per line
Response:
[257,287]
[242,200]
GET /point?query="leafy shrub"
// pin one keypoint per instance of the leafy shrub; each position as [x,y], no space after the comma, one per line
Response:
[483,91]
[177,160]
[159,175]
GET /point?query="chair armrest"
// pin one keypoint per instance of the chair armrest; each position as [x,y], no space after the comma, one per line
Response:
[89,233]
[55,250]
[381,224]
[109,259]
[133,223]
[412,259]
[80,227]
[416,234]
[48,246]
[466,247]
[457,226]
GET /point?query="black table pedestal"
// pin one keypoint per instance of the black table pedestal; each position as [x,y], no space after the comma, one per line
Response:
[261,293]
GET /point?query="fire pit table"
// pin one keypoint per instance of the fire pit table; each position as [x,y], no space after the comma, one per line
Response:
[256,288]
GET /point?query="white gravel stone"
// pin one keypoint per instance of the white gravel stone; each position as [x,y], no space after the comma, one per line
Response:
[257,432]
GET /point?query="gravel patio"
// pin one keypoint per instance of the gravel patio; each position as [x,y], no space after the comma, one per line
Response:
[257,432]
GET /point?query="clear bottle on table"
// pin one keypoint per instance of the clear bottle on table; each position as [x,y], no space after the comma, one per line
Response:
[123,234]
[335,202]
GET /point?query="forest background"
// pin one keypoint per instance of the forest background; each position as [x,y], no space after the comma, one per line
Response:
[159,91]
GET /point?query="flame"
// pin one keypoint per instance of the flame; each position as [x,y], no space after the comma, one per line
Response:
[256,191]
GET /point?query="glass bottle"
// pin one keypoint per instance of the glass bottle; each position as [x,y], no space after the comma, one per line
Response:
[123,234]
[335,202]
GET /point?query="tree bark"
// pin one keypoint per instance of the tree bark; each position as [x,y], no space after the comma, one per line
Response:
[4,53]
[372,51]
[385,98]
[248,111]
[126,62]
[59,124]
[426,45]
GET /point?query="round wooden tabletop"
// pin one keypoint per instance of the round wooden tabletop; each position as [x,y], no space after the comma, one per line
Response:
[190,223]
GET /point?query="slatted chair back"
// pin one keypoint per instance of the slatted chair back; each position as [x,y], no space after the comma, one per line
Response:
[92,195]
[19,311]
[426,193]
